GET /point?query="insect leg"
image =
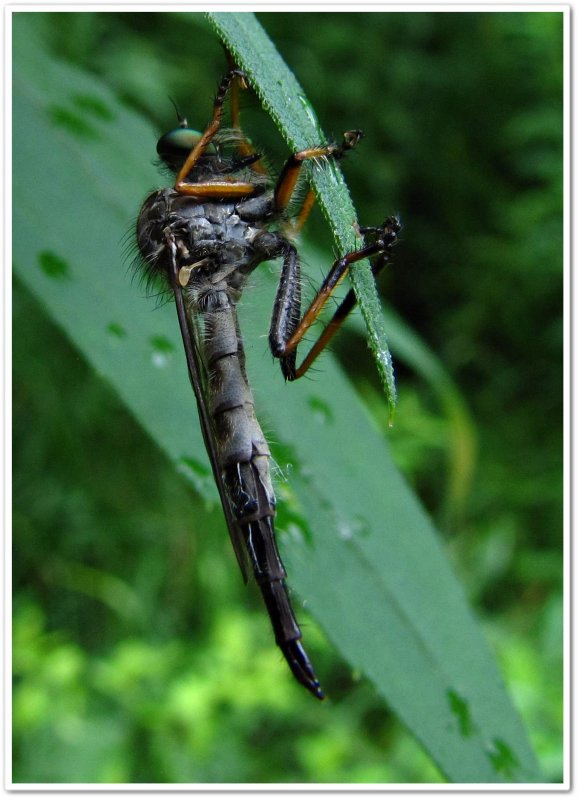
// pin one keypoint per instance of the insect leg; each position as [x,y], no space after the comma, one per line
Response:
[286,314]
[333,326]
[296,225]
[218,189]
[244,146]
[289,332]
[291,170]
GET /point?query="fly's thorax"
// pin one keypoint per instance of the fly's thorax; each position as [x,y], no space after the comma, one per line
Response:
[215,229]
[222,235]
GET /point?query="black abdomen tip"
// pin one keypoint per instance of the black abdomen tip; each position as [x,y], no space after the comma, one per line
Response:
[301,667]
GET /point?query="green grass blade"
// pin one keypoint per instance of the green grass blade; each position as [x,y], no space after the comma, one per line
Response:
[286,102]
[359,548]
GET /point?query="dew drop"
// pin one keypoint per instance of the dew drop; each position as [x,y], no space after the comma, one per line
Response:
[53,266]
[74,122]
[345,531]
[310,111]
[348,529]
[322,412]
[163,349]
[116,331]
[91,104]
[502,758]
[460,707]
[296,532]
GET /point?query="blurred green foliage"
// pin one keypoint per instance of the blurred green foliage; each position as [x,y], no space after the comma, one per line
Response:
[123,599]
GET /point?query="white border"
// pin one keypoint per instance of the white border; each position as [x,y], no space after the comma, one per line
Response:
[307,790]
[6,465]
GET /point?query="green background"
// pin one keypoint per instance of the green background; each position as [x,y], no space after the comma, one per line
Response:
[129,615]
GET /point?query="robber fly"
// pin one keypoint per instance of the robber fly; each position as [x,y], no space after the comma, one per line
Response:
[203,237]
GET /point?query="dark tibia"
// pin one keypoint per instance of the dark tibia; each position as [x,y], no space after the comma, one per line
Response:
[286,314]
[287,330]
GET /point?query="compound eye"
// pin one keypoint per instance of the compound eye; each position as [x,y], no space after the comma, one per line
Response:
[178,143]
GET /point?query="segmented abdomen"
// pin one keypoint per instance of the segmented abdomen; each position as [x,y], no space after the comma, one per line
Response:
[238,435]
